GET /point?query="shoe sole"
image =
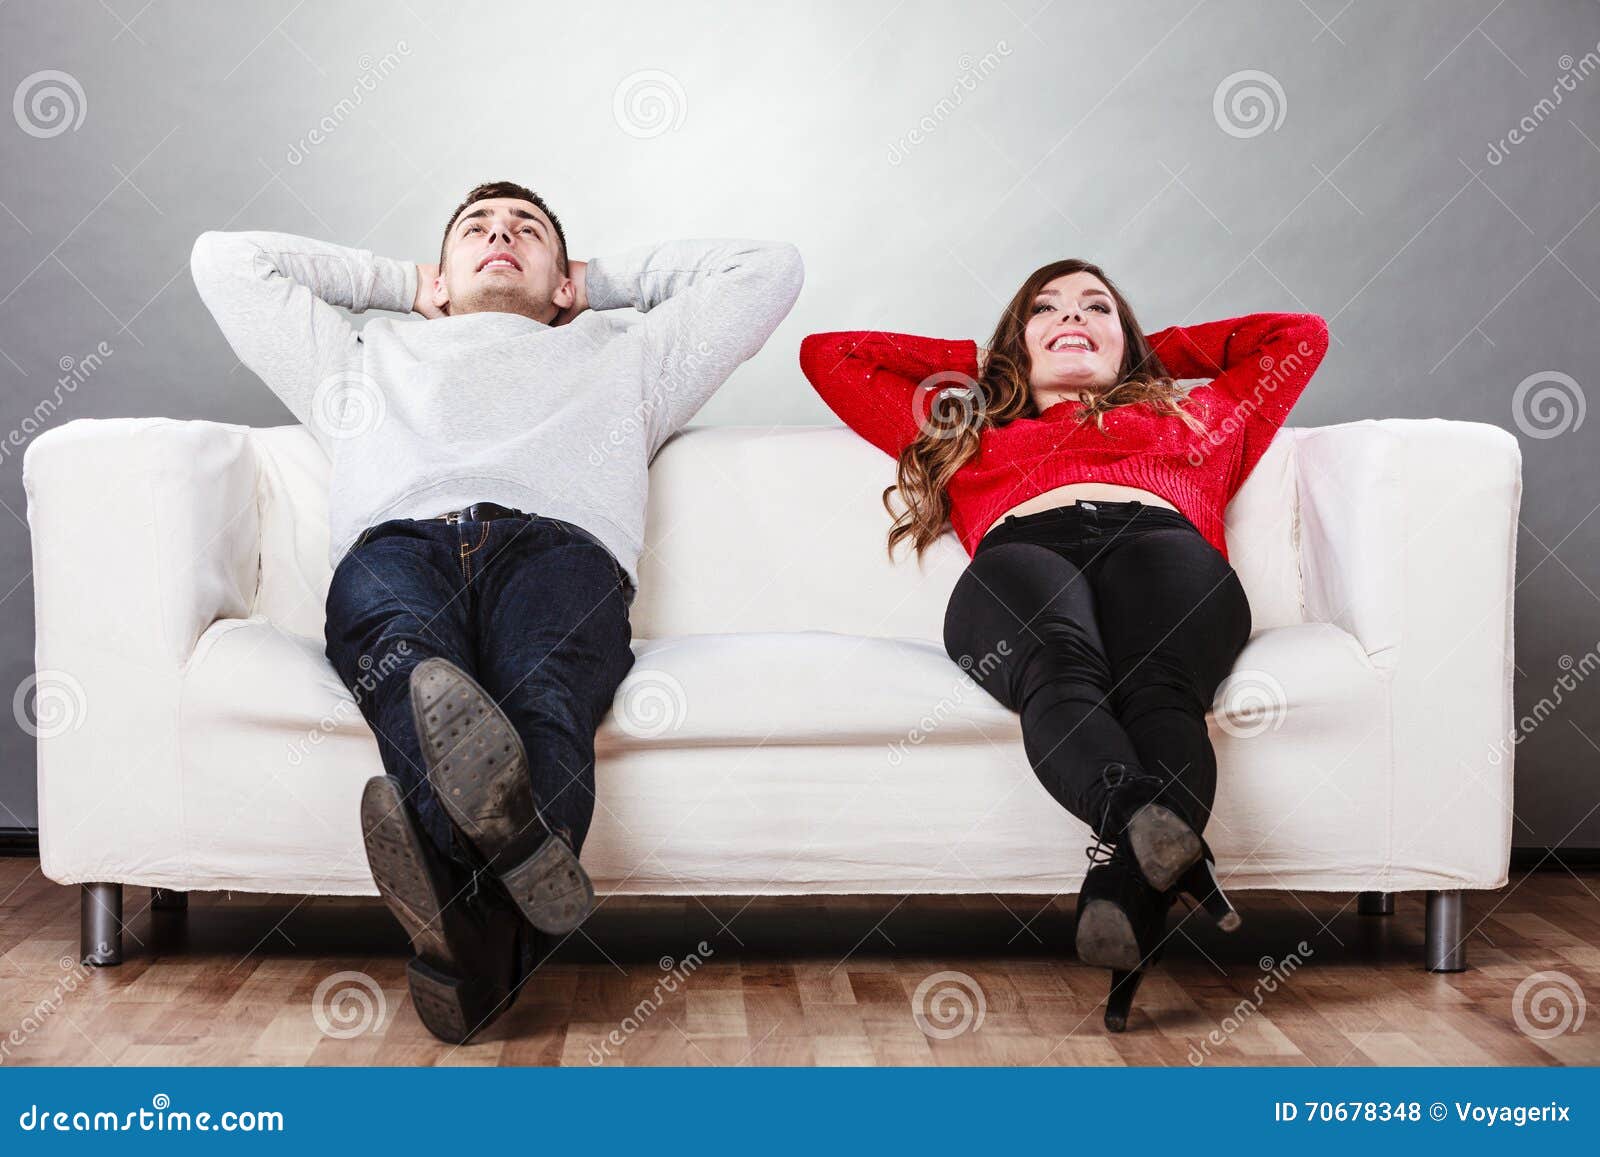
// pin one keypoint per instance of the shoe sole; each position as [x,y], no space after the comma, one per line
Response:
[479,771]
[452,1008]
[1165,846]
[1105,937]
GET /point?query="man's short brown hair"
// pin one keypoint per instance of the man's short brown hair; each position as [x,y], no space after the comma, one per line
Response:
[506,189]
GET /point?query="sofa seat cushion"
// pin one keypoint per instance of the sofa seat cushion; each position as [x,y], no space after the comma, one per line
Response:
[249,678]
[777,731]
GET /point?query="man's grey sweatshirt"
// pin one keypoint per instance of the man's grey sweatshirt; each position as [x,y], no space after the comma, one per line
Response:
[419,417]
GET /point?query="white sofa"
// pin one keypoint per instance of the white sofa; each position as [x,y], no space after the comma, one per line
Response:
[792,724]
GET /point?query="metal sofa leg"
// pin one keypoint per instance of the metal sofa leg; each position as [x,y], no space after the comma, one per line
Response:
[1375,904]
[166,900]
[1446,933]
[100,924]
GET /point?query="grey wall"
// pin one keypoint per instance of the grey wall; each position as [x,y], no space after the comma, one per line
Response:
[1047,130]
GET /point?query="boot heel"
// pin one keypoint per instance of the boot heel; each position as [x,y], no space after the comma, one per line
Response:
[551,888]
[451,1008]
[1200,884]
[1119,1004]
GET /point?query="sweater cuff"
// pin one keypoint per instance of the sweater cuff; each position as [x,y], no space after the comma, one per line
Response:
[394,286]
[607,289]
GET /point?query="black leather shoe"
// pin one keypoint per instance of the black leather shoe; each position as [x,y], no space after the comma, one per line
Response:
[468,942]
[479,772]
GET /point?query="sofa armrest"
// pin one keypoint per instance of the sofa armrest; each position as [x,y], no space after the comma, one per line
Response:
[1408,531]
[1350,530]
[145,532]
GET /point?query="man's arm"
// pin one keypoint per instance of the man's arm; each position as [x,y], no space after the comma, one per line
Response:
[274,297]
[709,306]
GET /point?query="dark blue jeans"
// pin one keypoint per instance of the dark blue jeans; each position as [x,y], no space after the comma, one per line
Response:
[1108,626]
[533,608]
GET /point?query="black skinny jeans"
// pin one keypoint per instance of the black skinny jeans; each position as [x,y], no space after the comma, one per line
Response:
[1108,626]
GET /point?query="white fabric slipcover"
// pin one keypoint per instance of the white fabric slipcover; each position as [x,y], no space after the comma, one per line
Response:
[792,724]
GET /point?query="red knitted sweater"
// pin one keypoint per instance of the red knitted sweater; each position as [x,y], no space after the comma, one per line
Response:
[1259,365]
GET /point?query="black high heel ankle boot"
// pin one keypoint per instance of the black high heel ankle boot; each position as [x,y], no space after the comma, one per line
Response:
[1121,926]
[1139,809]
[1199,884]
[1164,844]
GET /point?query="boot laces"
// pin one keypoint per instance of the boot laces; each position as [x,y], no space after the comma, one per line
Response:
[1118,779]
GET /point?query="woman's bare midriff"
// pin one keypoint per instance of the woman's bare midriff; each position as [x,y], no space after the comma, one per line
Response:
[1089,491]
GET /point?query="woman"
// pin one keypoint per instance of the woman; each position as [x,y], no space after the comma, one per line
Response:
[1099,603]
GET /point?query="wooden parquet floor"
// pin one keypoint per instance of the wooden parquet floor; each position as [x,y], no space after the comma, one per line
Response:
[251,979]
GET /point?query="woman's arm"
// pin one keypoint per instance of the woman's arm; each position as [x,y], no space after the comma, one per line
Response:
[871,380]
[1259,365]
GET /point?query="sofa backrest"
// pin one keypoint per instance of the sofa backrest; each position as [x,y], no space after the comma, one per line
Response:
[755,528]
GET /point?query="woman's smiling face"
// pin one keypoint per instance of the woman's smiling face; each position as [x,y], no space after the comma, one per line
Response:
[1074,338]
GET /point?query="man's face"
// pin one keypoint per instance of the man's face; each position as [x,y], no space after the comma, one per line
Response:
[503,257]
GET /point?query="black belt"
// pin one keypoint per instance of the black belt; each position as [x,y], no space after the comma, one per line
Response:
[479,512]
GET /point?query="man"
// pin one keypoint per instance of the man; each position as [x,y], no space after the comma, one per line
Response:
[487,509]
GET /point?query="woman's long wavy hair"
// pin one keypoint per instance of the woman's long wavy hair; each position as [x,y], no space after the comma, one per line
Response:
[954,421]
